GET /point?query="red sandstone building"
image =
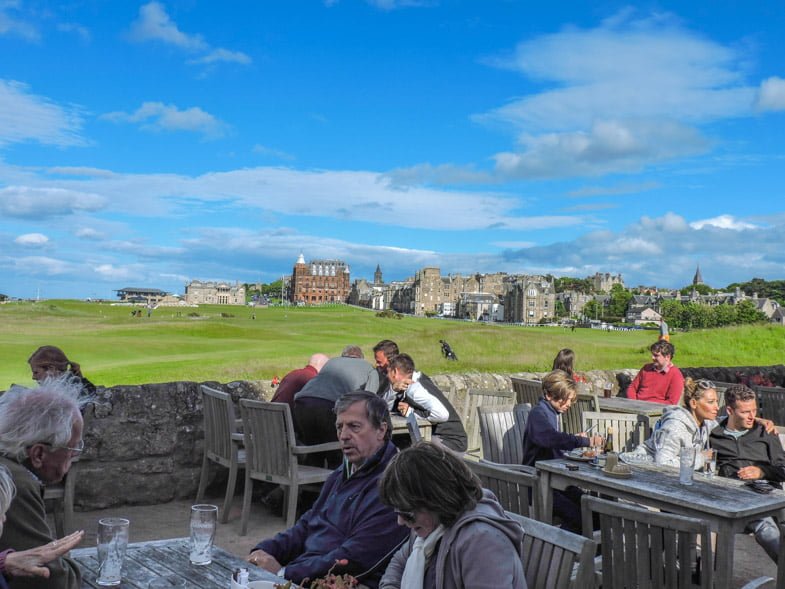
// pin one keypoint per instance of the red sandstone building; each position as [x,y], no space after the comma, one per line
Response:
[319,281]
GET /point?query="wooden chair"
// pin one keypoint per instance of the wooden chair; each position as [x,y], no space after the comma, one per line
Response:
[223,443]
[272,455]
[526,390]
[629,429]
[572,422]
[501,432]
[554,558]
[642,548]
[771,403]
[59,498]
[480,398]
[512,487]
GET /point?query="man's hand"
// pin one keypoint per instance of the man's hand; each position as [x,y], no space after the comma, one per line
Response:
[263,560]
[768,425]
[750,473]
[30,563]
[403,408]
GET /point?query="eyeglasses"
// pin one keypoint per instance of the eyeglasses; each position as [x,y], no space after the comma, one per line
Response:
[706,384]
[407,516]
[74,451]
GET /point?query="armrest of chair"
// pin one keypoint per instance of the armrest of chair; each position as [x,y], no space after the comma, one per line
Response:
[326,447]
[238,438]
[759,582]
[516,467]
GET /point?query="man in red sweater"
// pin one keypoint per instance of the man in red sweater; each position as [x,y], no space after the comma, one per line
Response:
[293,382]
[660,381]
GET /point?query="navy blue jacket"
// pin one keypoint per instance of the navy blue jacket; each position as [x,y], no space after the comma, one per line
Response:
[347,521]
[542,440]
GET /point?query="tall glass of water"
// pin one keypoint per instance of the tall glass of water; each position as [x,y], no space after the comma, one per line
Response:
[203,522]
[686,464]
[709,462]
[112,543]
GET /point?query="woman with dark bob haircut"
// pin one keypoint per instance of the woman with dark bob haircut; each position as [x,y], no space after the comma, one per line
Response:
[460,535]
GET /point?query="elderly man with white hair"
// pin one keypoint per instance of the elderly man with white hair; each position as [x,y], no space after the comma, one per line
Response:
[40,433]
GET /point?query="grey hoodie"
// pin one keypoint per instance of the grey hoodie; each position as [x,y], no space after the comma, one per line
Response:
[477,552]
[676,429]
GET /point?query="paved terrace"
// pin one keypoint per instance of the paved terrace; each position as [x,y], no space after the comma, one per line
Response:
[170,520]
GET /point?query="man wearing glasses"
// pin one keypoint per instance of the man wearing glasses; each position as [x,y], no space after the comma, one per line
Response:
[40,434]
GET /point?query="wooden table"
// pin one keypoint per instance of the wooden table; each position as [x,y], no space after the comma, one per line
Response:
[724,503]
[652,411]
[400,429]
[146,561]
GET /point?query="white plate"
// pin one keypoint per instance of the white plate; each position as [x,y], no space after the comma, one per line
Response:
[578,455]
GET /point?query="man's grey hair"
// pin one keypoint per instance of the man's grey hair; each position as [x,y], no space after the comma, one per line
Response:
[352,351]
[375,408]
[44,415]
[7,491]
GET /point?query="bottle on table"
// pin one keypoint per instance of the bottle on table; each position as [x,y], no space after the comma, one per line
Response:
[609,440]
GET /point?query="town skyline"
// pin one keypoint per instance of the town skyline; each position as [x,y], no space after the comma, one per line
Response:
[149,144]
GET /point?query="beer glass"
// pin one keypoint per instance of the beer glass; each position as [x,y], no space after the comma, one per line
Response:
[203,522]
[112,543]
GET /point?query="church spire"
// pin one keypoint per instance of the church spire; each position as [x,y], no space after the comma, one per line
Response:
[698,279]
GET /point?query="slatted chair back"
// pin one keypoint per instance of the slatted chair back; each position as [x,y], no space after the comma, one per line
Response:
[629,429]
[771,403]
[526,390]
[554,558]
[480,398]
[222,443]
[642,548]
[572,421]
[516,489]
[272,454]
[501,432]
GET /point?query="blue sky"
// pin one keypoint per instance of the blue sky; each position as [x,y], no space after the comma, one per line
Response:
[149,144]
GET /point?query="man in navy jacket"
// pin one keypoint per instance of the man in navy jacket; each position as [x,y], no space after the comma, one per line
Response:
[348,521]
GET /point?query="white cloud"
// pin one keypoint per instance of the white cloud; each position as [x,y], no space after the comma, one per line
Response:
[154,24]
[271,151]
[111,272]
[29,202]
[609,146]
[89,233]
[44,266]
[222,55]
[443,174]
[168,117]
[27,117]
[771,95]
[617,98]
[81,31]
[32,240]
[619,189]
[723,222]
[12,25]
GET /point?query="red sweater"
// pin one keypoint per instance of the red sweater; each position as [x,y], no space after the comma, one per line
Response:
[292,383]
[659,387]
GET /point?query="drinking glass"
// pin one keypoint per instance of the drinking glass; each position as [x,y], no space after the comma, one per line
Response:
[709,462]
[203,521]
[686,465]
[112,543]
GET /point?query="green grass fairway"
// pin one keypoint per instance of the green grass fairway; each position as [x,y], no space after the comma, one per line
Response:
[115,348]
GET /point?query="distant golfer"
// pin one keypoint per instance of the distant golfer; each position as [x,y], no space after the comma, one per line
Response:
[447,350]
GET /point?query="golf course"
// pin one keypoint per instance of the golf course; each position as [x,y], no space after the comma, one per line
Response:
[225,343]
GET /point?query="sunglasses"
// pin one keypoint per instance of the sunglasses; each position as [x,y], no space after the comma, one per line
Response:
[706,384]
[407,516]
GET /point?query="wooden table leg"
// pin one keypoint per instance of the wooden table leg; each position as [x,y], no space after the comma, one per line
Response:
[546,497]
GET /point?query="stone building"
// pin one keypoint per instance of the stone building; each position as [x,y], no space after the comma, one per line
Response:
[147,296]
[319,281]
[530,300]
[198,292]
[604,281]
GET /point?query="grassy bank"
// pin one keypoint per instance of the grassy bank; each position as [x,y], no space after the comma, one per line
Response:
[116,348]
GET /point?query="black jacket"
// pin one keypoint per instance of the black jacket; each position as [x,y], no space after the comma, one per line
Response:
[451,432]
[755,448]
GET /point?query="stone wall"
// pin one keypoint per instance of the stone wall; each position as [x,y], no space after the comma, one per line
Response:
[144,444]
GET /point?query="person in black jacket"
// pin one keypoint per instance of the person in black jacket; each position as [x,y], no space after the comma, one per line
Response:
[414,391]
[745,451]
